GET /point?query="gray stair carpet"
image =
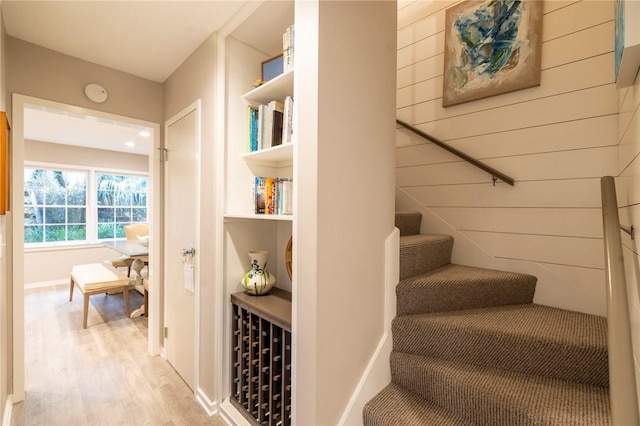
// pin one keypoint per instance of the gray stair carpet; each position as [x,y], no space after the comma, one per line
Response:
[455,287]
[470,348]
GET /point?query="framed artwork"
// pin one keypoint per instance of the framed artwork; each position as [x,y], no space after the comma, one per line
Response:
[5,164]
[272,68]
[491,47]
[627,41]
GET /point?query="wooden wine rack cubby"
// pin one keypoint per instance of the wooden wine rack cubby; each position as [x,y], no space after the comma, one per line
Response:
[261,358]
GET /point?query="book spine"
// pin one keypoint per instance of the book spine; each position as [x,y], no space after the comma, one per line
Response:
[260,126]
[253,129]
[287,196]
[260,195]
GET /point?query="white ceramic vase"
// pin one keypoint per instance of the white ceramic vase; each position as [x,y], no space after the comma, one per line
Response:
[258,280]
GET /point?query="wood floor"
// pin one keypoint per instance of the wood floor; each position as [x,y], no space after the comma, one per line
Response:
[101,375]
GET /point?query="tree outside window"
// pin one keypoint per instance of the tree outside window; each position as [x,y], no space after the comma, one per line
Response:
[55,205]
[122,200]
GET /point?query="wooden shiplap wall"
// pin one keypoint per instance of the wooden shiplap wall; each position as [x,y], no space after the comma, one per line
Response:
[628,191]
[555,140]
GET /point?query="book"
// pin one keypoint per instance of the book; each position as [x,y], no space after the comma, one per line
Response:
[287,125]
[259,195]
[273,125]
[286,196]
[252,129]
[271,195]
[288,38]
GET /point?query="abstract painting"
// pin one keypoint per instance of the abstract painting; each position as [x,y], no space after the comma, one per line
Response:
[491,47]
[627,41]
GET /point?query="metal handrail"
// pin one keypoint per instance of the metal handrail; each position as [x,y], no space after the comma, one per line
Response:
[622,379]
[479,164]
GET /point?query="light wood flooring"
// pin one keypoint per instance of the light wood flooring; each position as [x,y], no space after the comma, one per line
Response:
[99,376]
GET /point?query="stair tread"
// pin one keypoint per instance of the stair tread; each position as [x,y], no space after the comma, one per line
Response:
[457,287]
[493,396]
[395,405]
[527,338]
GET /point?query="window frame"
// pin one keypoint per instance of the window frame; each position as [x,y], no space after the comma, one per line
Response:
[92,201]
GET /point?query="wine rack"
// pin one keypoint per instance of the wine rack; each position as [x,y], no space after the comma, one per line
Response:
[261,358]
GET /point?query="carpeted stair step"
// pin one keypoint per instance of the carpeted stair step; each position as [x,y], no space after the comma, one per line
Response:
[497,397]
[530,339]
[408,223]
[424,253]
[455,287]
[395,406]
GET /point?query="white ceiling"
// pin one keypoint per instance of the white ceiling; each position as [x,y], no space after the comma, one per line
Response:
[46,124]
[147,38]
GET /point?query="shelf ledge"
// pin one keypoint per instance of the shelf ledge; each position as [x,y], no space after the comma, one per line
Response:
[279,156]
[244,216]
[276,89]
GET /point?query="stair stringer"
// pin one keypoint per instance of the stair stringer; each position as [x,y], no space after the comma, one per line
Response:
[377,374]
[552,289]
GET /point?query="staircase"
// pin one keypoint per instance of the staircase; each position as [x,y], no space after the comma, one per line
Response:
[470,347]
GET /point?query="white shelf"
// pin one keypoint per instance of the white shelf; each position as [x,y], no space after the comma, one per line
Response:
[276,89]
[277,217]
[279,156]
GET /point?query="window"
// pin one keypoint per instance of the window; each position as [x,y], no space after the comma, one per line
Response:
[55,205]
[66,206]
[122,200]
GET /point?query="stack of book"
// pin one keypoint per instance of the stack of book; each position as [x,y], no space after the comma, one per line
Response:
[287,49]
[269,125]
[272,195]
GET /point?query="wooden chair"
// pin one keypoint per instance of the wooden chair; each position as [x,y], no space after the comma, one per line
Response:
[132,232]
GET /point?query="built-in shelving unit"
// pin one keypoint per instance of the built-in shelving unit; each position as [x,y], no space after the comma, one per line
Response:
[260,357]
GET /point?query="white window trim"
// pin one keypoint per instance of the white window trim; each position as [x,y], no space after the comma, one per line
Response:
[92,202]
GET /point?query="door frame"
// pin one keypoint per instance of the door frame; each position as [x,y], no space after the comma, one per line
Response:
[17,206]
[197,108]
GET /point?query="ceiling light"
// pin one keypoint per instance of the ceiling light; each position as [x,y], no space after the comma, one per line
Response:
[145,133]
[130,144]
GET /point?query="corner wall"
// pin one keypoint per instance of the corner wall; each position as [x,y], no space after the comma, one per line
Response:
[6,323]
[628,192]
[196,79]
[343,172]
[555,140]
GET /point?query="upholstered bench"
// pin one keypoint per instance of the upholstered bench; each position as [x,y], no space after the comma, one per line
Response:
[97,278]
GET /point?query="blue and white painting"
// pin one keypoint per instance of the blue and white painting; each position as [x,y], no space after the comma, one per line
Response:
[618,12]
[491,47]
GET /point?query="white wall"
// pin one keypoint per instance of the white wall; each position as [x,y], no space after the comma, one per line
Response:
[555,140]
[344,202]
[77,156]
[195,79]
[5,290]
[628,191]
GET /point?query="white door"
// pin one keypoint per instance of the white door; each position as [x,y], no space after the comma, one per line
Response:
[180,234]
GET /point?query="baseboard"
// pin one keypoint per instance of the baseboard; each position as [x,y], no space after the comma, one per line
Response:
[210,407]
[231,416]
[46,284]
[377,375]
[8,410]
